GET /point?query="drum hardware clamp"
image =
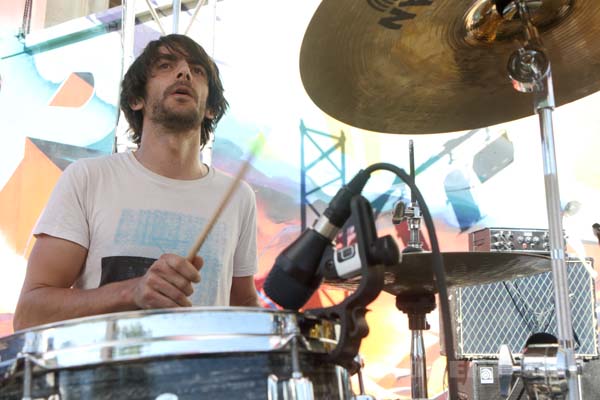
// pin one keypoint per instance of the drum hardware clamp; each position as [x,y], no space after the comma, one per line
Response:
[543,369]
[412,213]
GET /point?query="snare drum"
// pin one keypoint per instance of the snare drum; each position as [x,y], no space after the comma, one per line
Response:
[191,353]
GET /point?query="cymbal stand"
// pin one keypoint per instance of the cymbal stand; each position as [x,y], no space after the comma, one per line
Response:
[412,213]
[530,72]
[416,307]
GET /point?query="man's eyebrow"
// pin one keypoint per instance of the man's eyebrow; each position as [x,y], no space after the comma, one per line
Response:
[166,57]
[174,57]
[196,61]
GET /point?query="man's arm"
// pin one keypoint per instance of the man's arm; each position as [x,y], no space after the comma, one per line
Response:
[55,264]
[46,296]
[243,292]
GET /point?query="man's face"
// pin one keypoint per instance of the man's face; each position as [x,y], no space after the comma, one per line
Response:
[176,92]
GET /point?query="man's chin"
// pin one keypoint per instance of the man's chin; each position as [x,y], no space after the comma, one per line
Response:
[180,122]
[184,117]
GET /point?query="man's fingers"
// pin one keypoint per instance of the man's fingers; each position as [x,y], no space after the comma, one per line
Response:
[168,282]
[173,293]
[148,297]
[159,300]
[176,279]
[182,266]
[198,262]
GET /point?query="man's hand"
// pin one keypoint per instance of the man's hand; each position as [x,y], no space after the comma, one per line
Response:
[167,283]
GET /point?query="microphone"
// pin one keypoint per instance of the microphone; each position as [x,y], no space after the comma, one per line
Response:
[294,278]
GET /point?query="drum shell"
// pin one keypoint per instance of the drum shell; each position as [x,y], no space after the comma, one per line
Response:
[217,362]
[232,376]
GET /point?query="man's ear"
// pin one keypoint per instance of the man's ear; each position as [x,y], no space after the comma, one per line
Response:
[209,114]
[136,104]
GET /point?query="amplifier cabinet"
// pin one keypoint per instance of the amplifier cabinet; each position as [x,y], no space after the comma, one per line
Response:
[509,312]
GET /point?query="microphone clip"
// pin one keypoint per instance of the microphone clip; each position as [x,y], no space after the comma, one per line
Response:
[372,254]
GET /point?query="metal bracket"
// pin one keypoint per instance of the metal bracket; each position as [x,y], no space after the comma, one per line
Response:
[543,368]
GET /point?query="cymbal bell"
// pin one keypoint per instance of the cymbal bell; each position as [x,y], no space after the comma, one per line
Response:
[414,274]
[432,66]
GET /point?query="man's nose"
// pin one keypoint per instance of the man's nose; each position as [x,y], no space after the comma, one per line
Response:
[184,72]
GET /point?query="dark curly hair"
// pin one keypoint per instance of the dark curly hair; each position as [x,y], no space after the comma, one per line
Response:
[133,86]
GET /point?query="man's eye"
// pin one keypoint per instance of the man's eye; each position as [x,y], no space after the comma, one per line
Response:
[198,70]
[164,66]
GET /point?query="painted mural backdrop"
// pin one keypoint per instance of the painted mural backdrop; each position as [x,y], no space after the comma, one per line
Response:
[58,102]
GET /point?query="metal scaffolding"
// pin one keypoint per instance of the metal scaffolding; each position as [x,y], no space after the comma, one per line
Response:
[308,166]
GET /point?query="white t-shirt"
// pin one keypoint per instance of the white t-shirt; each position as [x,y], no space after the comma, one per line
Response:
[114,206]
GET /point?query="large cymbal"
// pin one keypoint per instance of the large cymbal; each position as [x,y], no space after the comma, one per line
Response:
[443,68]
[415,273]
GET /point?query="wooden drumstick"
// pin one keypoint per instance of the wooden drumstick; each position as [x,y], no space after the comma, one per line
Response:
[204,234]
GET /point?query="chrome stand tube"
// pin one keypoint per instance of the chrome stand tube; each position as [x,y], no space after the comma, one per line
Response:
[418,366]
[557,250]
[416,307]
[531,72]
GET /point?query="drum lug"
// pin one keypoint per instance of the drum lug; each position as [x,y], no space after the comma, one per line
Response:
[27,356]
[297,387]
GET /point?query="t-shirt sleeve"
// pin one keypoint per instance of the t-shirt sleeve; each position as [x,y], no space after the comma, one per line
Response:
[245,261]
[65,214]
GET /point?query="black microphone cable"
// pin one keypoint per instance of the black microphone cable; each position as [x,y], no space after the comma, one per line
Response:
[438,270]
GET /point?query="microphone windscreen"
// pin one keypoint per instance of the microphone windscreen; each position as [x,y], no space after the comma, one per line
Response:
[286,291]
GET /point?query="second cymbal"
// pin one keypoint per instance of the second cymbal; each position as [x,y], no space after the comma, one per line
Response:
[414,274]
[421,66]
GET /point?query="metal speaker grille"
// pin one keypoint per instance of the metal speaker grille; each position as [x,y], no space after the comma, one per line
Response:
[509,312]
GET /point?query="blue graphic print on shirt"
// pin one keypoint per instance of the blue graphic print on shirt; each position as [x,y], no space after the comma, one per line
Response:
[155,232]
